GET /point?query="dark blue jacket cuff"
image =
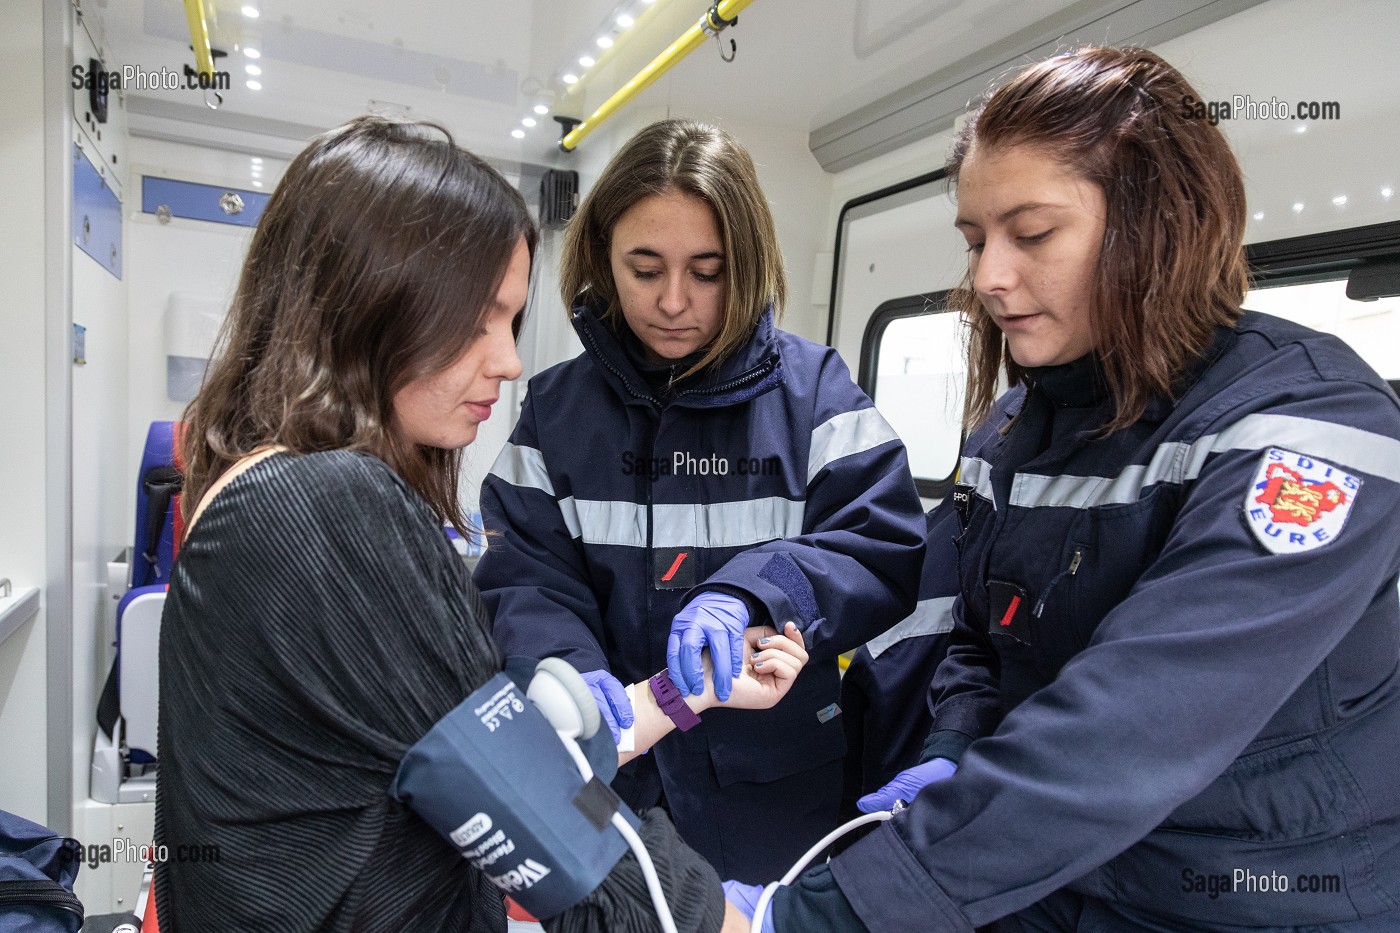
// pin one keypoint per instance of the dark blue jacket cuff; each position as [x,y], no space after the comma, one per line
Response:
[814,904]
[945,743]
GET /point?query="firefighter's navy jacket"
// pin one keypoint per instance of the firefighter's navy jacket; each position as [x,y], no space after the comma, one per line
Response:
[1176,649]
[885,691]
[772,477]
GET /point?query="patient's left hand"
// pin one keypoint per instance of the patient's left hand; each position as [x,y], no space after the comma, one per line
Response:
[771,665]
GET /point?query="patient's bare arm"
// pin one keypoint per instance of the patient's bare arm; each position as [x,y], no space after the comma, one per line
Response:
[771,664]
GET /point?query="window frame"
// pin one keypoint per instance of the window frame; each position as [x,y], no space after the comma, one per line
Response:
[885,314]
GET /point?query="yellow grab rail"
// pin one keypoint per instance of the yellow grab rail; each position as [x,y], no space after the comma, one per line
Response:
[716,18]
[199,38]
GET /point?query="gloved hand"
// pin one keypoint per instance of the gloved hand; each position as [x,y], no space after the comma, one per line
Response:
[713,619]
[906,785]
[612,702]
[745,897]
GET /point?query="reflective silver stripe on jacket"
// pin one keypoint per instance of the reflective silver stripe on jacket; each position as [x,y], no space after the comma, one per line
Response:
[522,466]
[930,617]
[1176,462]
[848,433]
[716,524]
[977,473]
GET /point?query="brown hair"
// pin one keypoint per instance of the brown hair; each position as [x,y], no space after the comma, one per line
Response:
[700,160]
[1171,267]
[373,264]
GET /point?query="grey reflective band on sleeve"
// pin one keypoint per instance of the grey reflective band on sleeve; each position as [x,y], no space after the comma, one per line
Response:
[977,474]
[930,617]
[523,467]
[1176,462]
[851,432]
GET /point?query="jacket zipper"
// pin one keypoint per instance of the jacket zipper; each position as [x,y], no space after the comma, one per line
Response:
[602,357]
[40,892]
[758,372]
[1069,571]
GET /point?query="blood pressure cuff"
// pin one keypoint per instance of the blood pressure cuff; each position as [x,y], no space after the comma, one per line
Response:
[494,779]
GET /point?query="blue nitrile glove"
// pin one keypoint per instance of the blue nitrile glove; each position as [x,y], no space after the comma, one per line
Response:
[612,701]
[713,619]
[906,785]
[745,897]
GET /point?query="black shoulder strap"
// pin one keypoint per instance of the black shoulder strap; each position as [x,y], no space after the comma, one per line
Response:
[109,705]
[161,484]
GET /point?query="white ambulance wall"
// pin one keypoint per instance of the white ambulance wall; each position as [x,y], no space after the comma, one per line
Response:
[101,496]
[24,468]
[190,256]
[1297,50]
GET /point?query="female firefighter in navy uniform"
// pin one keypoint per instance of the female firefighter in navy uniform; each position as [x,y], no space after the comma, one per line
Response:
[696,471]
[1172,694]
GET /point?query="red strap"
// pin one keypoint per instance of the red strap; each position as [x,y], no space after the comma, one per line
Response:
[150,923]
[177,435]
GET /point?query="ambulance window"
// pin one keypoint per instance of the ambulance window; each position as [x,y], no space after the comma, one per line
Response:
[912,366]
[1371,328]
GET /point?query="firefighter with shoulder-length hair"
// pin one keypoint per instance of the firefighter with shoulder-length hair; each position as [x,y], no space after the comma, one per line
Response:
[1173,689]
[697,471]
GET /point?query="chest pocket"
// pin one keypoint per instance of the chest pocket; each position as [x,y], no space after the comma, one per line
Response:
[1109,549]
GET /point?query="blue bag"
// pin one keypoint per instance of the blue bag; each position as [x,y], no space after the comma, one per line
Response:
[37,870]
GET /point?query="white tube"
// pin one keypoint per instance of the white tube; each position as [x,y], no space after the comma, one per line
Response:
[767,896]
[658,897]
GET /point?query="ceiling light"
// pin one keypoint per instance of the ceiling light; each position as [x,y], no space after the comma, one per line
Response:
[252,69]
[257,160]
[1259,215]
[1298,207]
[1387,191]
[570,79]
[1339,200]
[252,52]
[1302,129]
[256,183]
[254,86]
[624,21]
[541,109]
[251,12]
[587,61]
[528,121]
[605,42]
[518,134]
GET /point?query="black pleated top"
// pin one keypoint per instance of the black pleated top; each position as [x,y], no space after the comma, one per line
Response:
[318,624]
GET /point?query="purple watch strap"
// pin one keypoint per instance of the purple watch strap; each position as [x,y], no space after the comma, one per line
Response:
[672,703]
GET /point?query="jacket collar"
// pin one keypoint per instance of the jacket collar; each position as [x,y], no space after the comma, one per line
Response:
[751,370]
[1079,384]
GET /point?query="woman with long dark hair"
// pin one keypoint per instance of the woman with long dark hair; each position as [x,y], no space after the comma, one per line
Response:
[318,622]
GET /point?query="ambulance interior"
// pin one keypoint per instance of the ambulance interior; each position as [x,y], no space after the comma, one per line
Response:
[130,212]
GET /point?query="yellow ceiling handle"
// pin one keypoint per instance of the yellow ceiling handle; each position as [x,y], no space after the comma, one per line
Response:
[716,19]
[199,38]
